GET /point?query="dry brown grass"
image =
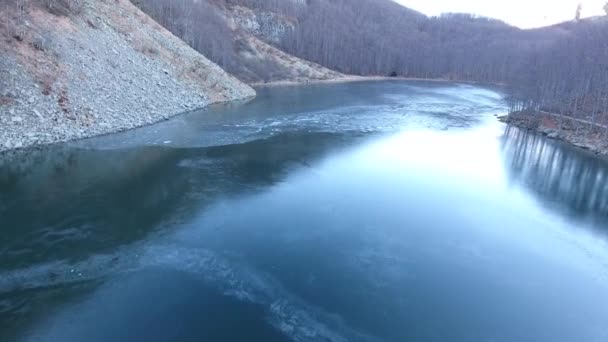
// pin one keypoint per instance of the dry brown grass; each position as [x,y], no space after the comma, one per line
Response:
[33,50]
[6,101]
[64,101]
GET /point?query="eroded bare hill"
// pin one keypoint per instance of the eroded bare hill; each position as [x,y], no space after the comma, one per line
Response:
[71,69]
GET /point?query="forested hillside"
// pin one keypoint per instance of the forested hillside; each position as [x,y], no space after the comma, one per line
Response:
[236,37]
[560,68]
[571,75]
[562,89]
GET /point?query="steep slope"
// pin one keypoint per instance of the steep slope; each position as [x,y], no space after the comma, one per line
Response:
[72,69]
[257,33]
[279,66]
[242,40]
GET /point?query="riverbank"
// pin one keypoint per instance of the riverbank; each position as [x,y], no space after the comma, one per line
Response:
[578,133]
[101,68]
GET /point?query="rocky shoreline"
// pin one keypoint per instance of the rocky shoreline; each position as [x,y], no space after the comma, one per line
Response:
[592,138]
[106,69]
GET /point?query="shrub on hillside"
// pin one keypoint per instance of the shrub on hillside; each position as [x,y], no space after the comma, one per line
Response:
[64,7]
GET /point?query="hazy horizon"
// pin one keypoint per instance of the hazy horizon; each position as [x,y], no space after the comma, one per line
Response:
[520,13]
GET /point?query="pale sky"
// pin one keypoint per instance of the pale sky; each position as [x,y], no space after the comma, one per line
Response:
[521,13]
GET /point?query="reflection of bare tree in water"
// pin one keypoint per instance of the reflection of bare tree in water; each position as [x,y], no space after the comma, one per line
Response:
[561,176]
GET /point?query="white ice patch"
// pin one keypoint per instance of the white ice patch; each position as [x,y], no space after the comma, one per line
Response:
[287,313]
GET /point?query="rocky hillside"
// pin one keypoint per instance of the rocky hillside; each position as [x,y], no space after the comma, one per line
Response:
[71,69]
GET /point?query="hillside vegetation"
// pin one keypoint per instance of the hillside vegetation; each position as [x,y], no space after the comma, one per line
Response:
[242,40]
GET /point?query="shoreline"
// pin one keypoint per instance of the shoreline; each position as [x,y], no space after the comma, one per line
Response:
[154,119]
[36,147]
[356,78]
[591,138]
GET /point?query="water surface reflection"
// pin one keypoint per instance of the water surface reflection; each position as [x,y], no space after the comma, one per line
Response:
[566,179]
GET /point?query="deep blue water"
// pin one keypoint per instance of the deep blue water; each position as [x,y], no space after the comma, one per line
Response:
[381,211]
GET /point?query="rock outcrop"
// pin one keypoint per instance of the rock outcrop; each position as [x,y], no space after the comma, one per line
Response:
[258,33]
[265,25]
[102,68]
